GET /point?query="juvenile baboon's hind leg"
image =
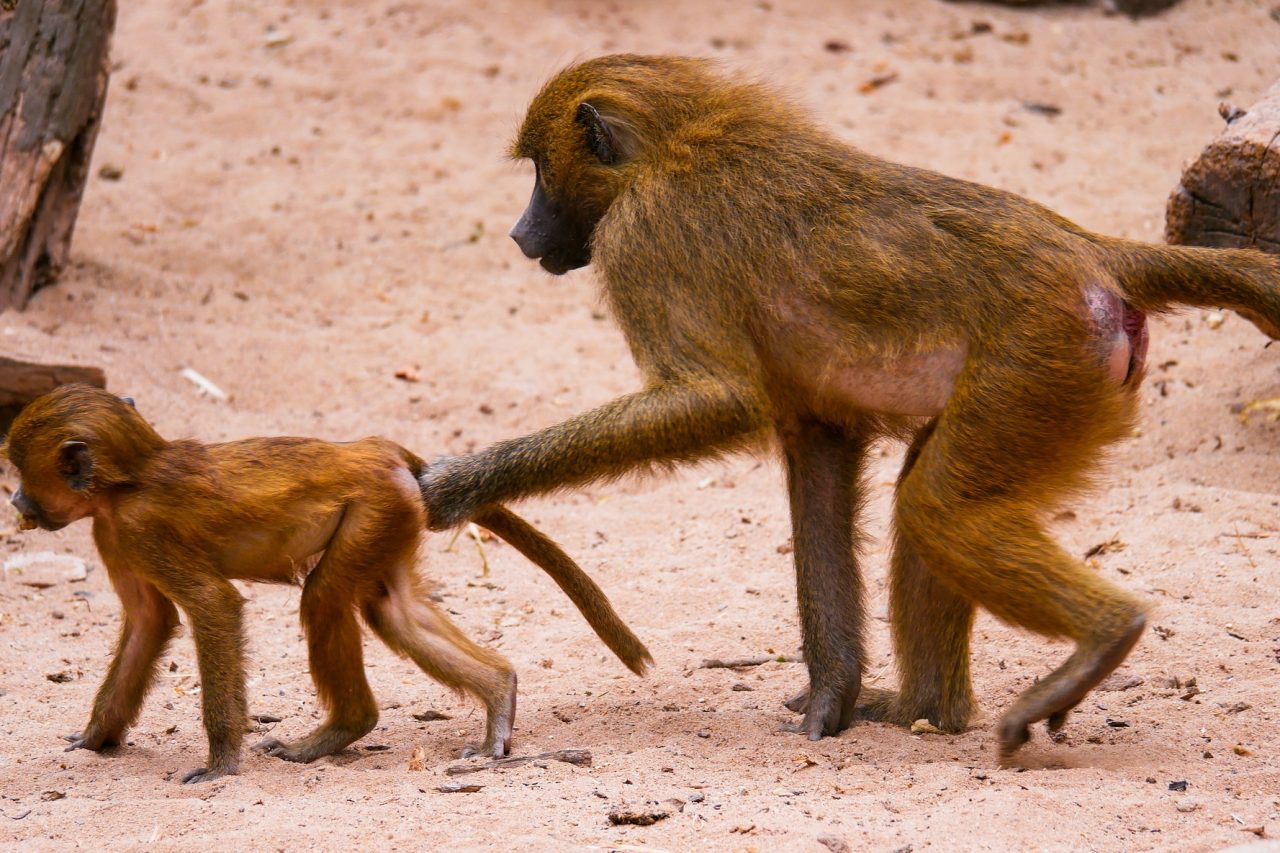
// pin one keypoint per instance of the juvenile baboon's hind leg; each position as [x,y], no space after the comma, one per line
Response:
[336,659]
[931,628]
[412,626]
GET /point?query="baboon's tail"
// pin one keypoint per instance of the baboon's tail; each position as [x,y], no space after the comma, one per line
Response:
[1157,278]
[577,584]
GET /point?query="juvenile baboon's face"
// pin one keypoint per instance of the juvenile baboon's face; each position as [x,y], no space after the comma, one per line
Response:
[54,444]
[45,498]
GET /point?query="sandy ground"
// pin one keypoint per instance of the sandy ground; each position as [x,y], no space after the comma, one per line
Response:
[314,196]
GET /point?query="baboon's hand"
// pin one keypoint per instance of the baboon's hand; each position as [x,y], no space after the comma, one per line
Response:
[448,492]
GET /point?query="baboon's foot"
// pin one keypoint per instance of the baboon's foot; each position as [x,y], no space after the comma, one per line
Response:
[878,705]
[829,703]
[1053,697]
[498,727]
[326,740]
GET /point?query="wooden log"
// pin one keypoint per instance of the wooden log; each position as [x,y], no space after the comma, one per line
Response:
[53,82]
[23,381]
[1132,8]
[1230,196]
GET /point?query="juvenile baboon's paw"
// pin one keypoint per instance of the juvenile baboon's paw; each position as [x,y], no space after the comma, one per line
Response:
[280,749]
[208,774]
[90,740]
[497,747]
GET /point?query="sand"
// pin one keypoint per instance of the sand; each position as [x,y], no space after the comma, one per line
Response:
[314,197]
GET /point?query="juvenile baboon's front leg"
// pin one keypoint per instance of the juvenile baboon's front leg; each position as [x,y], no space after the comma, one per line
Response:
[824,466]
[149,622]
[215,611]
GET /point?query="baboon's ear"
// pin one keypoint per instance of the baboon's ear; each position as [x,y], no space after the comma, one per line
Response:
[75,464]
[609,138]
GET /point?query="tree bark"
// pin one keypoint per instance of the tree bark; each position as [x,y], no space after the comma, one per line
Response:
[1230,196]
[54,67]
[23,381]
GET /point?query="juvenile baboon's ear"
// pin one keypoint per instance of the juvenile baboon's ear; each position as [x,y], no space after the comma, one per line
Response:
[128,401]
[75,464]
[610,139]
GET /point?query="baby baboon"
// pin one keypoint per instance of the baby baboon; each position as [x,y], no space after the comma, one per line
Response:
[773,281]
[177,521]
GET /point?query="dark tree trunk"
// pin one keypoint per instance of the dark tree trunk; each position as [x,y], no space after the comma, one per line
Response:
[1230,196]
[54,67]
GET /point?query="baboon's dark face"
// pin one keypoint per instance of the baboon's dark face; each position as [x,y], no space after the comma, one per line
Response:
[550,234]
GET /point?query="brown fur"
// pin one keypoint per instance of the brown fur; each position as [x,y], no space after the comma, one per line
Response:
[773,281]
[176,522]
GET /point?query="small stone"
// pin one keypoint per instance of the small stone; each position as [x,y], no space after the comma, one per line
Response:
[697,797]
[834,844]
[43,569]
[431,716]
[923,726]
[1118,682]
[459,788]
[1188,804]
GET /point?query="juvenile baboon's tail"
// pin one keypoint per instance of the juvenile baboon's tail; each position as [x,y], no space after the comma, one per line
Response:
[577,584]
[1157,278]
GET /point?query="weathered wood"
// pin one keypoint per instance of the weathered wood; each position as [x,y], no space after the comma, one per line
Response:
[23,381]
[54,68]
[1132,8]
[740,663]
[580,757]
[1230,196]
[1140,8]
